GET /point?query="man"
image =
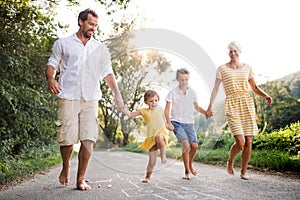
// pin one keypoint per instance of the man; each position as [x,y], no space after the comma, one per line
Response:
[82,62]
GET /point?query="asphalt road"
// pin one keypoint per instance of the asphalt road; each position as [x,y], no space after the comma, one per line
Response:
[123,171]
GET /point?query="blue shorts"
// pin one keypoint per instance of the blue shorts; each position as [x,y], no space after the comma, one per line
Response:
[184,132]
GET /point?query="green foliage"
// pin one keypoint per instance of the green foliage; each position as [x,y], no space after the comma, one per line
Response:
[285,108]
[28,163]
[285,140]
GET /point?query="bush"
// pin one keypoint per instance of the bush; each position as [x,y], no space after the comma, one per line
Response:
[287,139]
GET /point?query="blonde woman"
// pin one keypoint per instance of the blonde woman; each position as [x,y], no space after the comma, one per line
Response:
[239,105]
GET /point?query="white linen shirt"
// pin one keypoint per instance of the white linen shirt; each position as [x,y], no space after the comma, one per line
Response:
[182,105]
[81,67]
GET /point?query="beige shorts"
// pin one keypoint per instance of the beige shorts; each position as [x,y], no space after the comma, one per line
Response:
[77,121]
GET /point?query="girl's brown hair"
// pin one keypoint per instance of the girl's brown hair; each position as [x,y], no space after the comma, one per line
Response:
[150,93]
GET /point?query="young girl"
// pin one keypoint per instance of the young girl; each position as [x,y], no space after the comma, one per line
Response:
[156,131]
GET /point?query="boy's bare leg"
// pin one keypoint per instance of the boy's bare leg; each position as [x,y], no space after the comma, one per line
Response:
[84,156]
[193,151]
[66,152]
[161,145]
[186,157]
[151,164]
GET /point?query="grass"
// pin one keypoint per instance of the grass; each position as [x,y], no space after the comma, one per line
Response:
[261,160]
[15,169]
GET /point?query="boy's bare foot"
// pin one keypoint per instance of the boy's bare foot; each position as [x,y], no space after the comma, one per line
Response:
[146,180]
[230,168]
[64,176]
[82,185]
[244,177]
[186,177]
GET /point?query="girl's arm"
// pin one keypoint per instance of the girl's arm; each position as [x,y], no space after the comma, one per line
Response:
[131,114]
[257,90]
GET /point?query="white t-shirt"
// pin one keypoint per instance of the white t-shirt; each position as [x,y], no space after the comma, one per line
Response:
[182,105]
[81,67]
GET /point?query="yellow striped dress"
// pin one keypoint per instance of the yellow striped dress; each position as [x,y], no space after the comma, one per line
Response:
[239,105]
[154,119]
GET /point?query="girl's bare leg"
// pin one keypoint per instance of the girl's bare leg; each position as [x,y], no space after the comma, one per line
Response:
[161,145]
[151,164]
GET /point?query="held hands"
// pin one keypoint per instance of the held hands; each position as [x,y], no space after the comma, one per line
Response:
[119,102]
[208,114]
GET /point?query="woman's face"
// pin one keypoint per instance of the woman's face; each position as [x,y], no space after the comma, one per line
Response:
[233,54]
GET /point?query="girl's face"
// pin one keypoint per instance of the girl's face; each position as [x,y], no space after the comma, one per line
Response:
[183,80]
[152,102]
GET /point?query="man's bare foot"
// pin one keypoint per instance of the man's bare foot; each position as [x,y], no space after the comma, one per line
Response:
[193,171]
[146,180]
[64,176]
[82,185]
[230,168]
[186,177]
[163,159]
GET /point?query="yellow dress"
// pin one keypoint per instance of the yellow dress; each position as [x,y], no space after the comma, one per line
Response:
[154,119]
[239,105]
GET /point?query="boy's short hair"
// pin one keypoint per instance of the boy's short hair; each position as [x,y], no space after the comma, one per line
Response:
[150,93]
[182,71]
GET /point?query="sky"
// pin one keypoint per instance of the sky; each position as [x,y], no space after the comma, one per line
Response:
[266,29]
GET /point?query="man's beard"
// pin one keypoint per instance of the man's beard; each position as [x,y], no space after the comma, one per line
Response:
[86,34]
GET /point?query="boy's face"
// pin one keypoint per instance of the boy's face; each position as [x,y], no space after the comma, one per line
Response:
[183,80]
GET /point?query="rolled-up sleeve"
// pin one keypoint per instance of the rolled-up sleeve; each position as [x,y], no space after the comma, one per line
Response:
[56,55]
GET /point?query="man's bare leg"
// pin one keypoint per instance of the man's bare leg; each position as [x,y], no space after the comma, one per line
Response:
[193,151]
[84,156]
[66,152]
[186,157]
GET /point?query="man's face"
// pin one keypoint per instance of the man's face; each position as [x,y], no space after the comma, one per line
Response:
[88,27]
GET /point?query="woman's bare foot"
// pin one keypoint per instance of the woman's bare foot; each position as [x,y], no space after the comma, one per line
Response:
[82,185]
[230,168]
[146,180]
[64,176]
[193,171]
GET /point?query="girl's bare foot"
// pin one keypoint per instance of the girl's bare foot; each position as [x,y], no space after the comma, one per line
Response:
[82,185]
[163,159]
[230,168]
[146,180]
[64,176]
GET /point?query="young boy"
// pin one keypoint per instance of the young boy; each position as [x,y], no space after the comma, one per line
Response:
[184,100]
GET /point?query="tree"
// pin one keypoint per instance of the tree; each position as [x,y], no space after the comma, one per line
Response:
[131,69]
